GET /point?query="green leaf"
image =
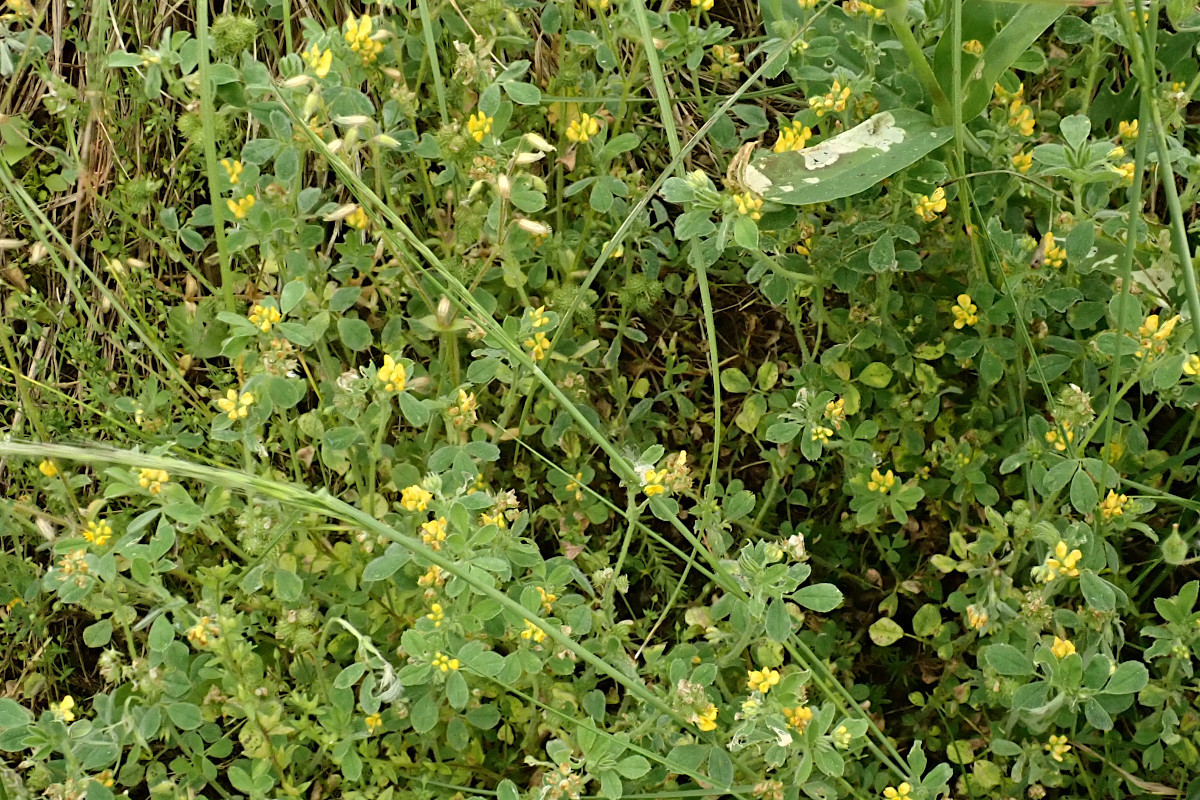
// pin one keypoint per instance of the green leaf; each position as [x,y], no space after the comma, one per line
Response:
[720,767]
[734,380]
[876,375]
[355,333]
[185,716]
[386,565]
[1097,717]
[13,714]
[98,634]
[1007,660]
[885,631]
[782,432]
[928,620]
[424,714]
[413,410]
[524,94]
[1129,678]
[848,163]
[819,597]
[633,767]
[1006,32]
[1083,493]
[1097,591]
[457,693]
[779,624]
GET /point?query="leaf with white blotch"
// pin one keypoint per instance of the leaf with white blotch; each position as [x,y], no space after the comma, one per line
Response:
[846,164]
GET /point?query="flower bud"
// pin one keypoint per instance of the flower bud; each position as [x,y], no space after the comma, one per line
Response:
[296,82]
[503,186]
[534,227]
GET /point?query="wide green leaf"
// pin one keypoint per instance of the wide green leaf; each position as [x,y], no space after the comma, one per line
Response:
[846,164]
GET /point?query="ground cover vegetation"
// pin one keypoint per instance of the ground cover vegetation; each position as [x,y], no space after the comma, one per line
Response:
[549,399]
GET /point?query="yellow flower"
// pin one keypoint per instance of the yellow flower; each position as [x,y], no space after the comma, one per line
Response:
[391,375]
[358,219]
[240,208]
[804,246]
[433,532]
[899,792]
[444,663]
[793,137]
[233,169]
[436,615]
[582,129]
[153,479]
[1126,171]
[798,717]
[358,36]
[432,577]
[976,617]
[1003,94]
[749,204]
[1058,747]
[703,5]
[706,720]
[929,206]
[1062,647]
[533,632]
[842,737]
[47,468]
[1192,365]
[834,100]
[374,722]
[548,599]
[1060,443]
[964,312]
[761,680]
[1061,563]
[62,709]
[835,412]
[73,562]
[1022,162]
[104,778]
[538,318]
[538,346]
[264,317]
[97,532]
[479,126]
[415,498]
[1020,117]
[854,7]
[200,634]
[974,47]
[652,482]
[1127,131]
[881,482]
[1053,255]
[1113,505]
[821,434]
[236,406]
[318,60]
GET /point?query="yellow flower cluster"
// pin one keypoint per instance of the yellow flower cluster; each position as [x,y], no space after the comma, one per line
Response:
[433,532]
[358,36]
[976,617]
[901,792]
[974,47]
[793,137]
[153,479]
[436,615]
[1191,366]
[415,498]
[881,482]
[835,412]
[1060,443]
[1155,334]
[1020,117]
[703,5]
[1057,747]
[263,317]
[533,633]
[1062,648]
[479,125]
[539,346]
[1063,562]
[652,482]
[445,663]
[432,577]
[821,434]
[62,710]
[548,599]
[798,717]
[964,312]
[1052,254]
[929,206]
[235,406]
[240,208]
[1113,505]
[1127,131]
[203,632]
[1127,171]
[358,219]
[391,375]
[706,720]
[374,722]
[855,7]
[233,169]
[761,680]
[834,100]
[842,737]
[74,562]
[538,318]
[318,60]
[583,128]
[97,532]
[47,468]
[1022,162]
[749,204]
